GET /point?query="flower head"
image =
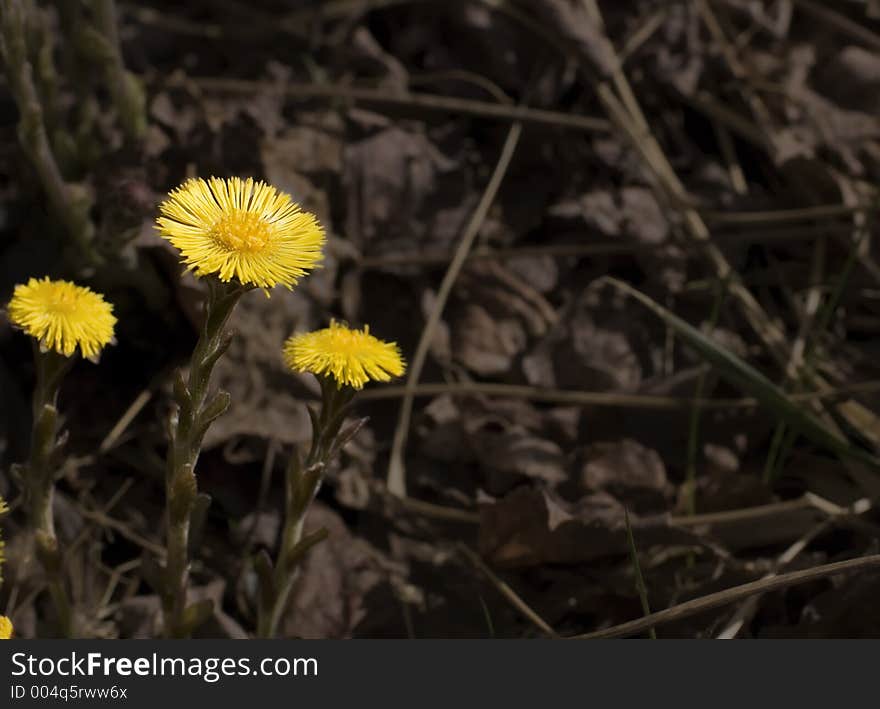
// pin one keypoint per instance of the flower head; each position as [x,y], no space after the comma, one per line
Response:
[63,316]
[241,229]
[5,628]
[351,357]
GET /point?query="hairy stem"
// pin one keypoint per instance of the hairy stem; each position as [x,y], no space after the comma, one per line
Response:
[70,206]
[196,412]
[302,484]
[125,89]
[39,481]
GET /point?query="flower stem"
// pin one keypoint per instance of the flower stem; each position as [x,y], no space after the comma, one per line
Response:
[196,412]
[125,88]
[303,480]
[68,202]
[39,480]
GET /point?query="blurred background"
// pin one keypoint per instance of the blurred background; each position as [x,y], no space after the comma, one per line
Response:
[482,167]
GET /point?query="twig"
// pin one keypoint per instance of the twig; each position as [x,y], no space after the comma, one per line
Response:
[104,520]
[731,595]
[643,33]
[819,211]
[631,122]
[506,591]
[803,233]
[737,68]
[125,420]
[430,510]
[745,612]
[432,102]
[841,22]
[598,398]
[750,514]
[396,477]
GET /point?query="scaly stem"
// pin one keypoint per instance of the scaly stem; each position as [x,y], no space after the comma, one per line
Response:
[195,414]
[125,89]
[70,205]
[302,484]
[39,480]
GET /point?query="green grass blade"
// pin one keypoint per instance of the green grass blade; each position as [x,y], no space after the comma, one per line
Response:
[637,570]
[751,381]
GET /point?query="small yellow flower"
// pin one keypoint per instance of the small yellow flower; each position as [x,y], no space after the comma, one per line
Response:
[243,230]
[351,357]
[63,316]
[5,628]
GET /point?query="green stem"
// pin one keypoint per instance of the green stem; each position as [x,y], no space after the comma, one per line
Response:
[39,480]
[125,89]
[195,414]
[70,206]
[637,570]
[303,482]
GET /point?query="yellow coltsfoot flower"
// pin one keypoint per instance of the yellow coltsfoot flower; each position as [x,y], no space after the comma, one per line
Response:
[63,316]
[5,628]
[242,230]
[351,357]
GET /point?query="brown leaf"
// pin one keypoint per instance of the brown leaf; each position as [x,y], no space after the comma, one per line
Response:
[392,180]
[486,345]
[531,527]
[626,469]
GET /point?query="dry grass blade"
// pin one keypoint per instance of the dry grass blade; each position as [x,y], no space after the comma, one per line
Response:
[626,115]
[508,593]
[609,399]
[748,609]
[396,477]
[840,22]
[429,102]
[750,380]
[732,595]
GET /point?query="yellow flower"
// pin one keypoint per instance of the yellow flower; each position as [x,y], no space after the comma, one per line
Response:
[5,628]
[63,316]
[351,357]
[243,230]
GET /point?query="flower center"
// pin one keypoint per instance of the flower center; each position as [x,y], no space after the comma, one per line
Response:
[242,231]
[61,301]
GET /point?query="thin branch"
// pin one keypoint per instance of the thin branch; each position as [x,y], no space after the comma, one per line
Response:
[732,595]
[425,101]
[597,398]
